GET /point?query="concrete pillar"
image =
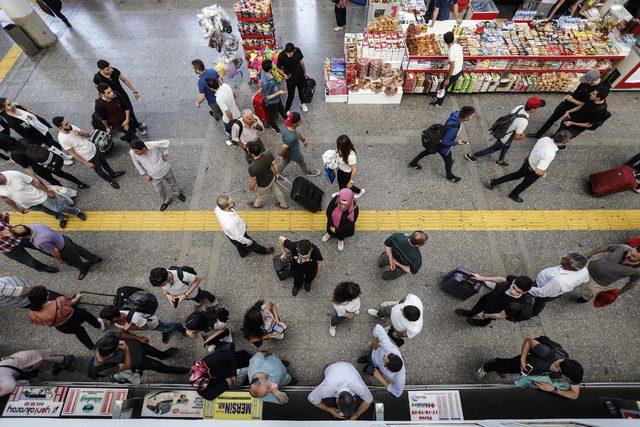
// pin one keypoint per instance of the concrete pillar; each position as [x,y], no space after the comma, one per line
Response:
[23,15]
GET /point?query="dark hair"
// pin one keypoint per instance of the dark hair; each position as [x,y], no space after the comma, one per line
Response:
[345,147]
[466,111]
[109,312]
[198,64]
[524,283]
[203,320]
[158,276]
[254,148]
[20,230]
[267,65]
[57,120]
[102,87]
[289,47]
[394,362]
[411,312]
[602,91]
[2,102]
[304,247]
[346,291]
[102,64]
[213,84]
[346,404]
[37,297]
[448,37]
[418,238]
[137,144]
[562,136]
[572,370]
[252,324]
[107,345]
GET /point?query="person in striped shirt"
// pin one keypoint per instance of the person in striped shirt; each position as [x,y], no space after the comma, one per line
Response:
[14,292]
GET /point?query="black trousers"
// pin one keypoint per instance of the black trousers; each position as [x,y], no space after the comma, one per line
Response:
[540,303]
[447,158]
[73,253]
[53,8]
[573,130]
[150,362]
[524,172]
[20,254]
[557,114]
[274,110]
[47,175]
[201,295]
[102,169]
[245,250]
[503,366]
[303,278]
[341,16]
[479,307]
[128,134]
[452,81]
[398,341]
[343,179]
[74,326]
[292,85]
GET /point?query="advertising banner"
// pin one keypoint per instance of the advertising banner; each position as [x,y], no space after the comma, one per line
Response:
[173,404]
[35,402]
[429,406]
[92,402]
[234,405]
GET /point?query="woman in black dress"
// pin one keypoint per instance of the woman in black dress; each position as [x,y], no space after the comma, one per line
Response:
[342,214]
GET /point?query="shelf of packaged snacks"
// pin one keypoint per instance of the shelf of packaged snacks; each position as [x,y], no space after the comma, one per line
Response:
[528,57]
[503,70]
[267,19]
[257,36]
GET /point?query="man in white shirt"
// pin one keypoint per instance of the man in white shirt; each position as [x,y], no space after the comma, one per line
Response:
[150,159]
[179,284]
[456,60]
[535,164]
[553,282]
[342,382]
[22,192]
[235,229]
[514,132]
[139,321]
[77,143]
[384,362]
[406,317]
[226,100]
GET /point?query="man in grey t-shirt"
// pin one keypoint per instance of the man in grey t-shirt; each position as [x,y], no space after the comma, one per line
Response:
[618,262]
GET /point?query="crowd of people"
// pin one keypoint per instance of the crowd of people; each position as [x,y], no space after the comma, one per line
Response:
[119,353]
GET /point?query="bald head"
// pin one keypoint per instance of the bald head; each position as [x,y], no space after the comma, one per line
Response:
[259,388]
[20,230]
[224,202]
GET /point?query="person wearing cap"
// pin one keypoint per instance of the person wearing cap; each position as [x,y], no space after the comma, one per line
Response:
[343,383]
[503,302]
[515,131]
[291,66]
[535,165]
[589,115]
[588,82]
[291,140]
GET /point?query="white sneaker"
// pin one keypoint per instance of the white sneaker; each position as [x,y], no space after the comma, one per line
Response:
[334,194]
[304,107]
[326,237]
[288,112]
[332,331]
[340,245]
[373,312]
[360,194]
[68,162]
[389,303]
[315,173]
[103,327]
[143,131]
[336,29]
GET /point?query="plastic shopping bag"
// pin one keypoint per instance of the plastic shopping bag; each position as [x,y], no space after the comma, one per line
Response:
[330,174]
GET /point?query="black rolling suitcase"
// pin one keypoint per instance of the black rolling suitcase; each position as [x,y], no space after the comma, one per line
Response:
[283,268]
[305,193]
[458,283]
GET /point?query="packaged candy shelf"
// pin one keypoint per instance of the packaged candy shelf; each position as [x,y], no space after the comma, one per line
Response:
[255,24]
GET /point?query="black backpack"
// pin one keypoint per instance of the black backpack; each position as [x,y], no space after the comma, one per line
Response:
[523,309]
[554,346]
[500,127]
[181,270]
[432,136]
[135,300]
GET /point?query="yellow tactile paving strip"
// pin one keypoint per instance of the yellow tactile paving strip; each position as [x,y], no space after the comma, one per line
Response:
[370,220]
[9,60]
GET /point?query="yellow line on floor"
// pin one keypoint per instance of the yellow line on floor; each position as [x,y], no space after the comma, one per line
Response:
[370,220]
[9,60]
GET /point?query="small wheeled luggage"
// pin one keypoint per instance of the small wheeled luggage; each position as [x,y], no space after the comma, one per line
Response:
[283,268]
[260,107]
[613,181]
[458,283]
[306,194]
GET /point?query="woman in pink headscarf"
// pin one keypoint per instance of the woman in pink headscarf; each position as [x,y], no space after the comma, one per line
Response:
[342,214]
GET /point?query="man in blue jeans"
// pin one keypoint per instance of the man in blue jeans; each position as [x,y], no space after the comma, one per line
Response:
[206,94]
[111,315]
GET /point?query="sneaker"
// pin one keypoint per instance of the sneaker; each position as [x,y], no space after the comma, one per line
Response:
[415,166]
[516,198]
[118,174]
[480,374]
[534,135]
[142,132]
[501,163]
[142,126]
[454,178]
[164,206]
[435,104]
[332,331]
[66,364]
[63,222]
[389,303]
[336,29]
[83,186]
[83,274]
[50,269]
[491,184]
[314,173]
[251,205]
[304,107]
[115,185]
[582,300]
[470,157]
[82,216]
[326,237]
[199,304]
[68,161]
[373,312]
[288,113]
[166,336]
[295,291]
[181,197]
[360,194]
[340,245]
[103,326]
[334,194]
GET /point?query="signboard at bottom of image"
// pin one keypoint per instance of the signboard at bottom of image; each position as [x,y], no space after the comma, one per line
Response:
[233,405]
[430,406]
[92,402]
[35,402]
[173,404]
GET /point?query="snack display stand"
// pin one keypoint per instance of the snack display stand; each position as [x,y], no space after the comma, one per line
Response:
[406,11]
[258,34]
[335,81]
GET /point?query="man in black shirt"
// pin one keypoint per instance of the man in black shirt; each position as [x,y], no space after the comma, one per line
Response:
[291,65]
[588,83]
[306,262]
[589,115]
[115,112]
[506,301]
[112,76]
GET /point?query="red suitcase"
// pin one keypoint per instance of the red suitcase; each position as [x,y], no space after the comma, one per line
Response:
[613,181]
[260,107]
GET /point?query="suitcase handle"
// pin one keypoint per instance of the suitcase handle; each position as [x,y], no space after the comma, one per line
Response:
[284,183]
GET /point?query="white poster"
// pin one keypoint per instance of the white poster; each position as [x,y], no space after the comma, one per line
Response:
[428,406]
[92,402]
[35,402]
[173,404]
